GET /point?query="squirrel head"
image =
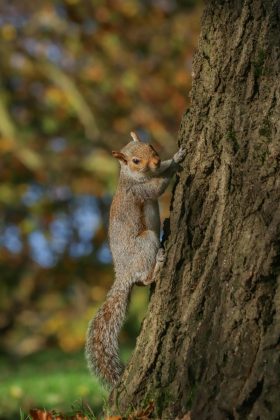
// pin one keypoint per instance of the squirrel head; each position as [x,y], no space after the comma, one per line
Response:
[138,159]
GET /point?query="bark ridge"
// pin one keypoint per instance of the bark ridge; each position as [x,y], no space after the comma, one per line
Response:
[211,338]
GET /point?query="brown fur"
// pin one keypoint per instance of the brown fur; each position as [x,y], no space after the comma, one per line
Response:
[142,221]
[134,242]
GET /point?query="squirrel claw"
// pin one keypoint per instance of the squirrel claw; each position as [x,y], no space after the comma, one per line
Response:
[180,155]
[161,256]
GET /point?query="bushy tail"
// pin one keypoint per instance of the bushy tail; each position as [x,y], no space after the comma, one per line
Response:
[102,336]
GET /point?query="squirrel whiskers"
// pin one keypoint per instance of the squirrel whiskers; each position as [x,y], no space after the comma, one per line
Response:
[134,229]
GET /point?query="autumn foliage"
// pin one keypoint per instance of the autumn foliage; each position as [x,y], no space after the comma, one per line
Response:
[76,78]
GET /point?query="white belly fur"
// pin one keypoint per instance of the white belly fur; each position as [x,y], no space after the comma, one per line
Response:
[152,219]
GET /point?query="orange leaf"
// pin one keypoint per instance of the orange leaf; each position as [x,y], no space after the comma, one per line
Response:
[113,418]
[37,414]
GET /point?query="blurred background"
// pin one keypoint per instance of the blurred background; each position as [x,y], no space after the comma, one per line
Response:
[76,77]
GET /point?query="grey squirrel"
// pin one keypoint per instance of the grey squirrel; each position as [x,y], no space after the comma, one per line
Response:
[134,229]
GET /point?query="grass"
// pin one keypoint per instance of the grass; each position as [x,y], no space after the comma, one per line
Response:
[49,380]
[54,380]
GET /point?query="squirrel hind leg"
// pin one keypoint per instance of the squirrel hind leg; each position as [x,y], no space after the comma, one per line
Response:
[160,259]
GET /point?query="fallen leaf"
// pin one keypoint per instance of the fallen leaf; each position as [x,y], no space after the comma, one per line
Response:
[37,414]
[113,418]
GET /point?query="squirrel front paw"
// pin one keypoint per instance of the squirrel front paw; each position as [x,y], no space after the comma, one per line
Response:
[180,155]
[161,256]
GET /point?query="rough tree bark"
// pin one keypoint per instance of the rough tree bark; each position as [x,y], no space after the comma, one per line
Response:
[211,338]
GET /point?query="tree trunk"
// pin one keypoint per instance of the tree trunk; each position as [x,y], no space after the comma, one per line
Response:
[211,338]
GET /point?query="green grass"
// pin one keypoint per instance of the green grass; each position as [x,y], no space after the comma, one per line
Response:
[50,380]
[54,380]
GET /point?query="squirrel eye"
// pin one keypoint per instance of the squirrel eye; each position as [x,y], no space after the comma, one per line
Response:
[136,161]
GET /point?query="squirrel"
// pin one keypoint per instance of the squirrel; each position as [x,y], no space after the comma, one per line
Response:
[134,230]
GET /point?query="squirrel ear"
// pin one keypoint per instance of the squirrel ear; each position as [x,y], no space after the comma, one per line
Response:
[134,136]
[119,155]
